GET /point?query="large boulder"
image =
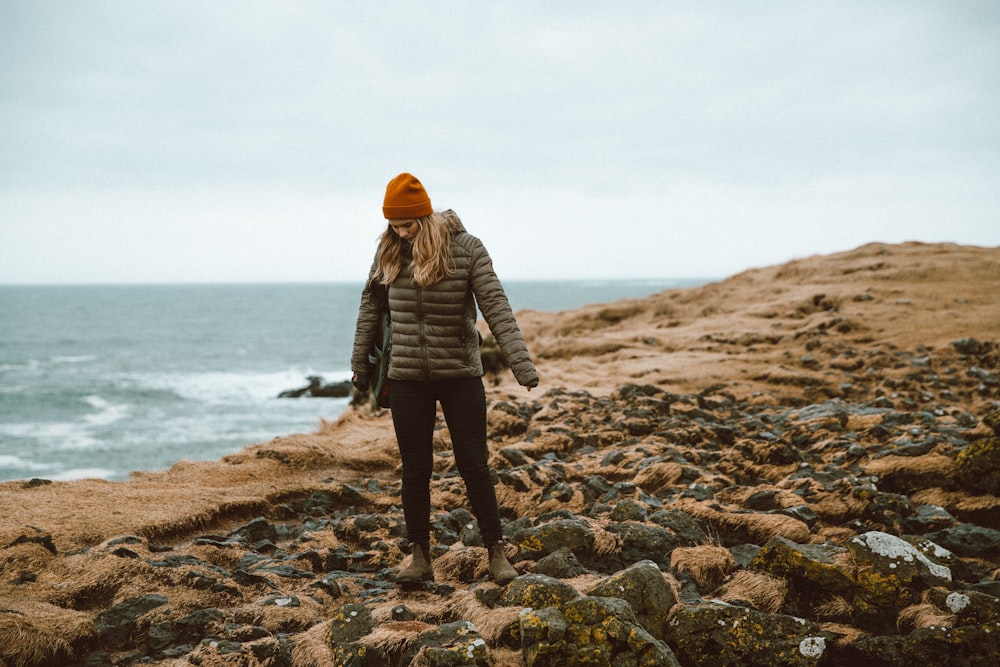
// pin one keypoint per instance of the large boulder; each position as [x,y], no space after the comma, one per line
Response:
[538,541]
[977,467]
[593,631]
[740,637]
[873,577]
[536,591]
[455,644]
[643,586]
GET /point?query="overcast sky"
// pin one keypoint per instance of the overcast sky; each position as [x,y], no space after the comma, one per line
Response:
[182,141]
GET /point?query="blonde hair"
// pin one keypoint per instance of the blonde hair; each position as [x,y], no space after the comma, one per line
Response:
[431,252]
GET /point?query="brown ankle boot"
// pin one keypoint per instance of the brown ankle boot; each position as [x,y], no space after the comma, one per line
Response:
[501,570]
[419,569]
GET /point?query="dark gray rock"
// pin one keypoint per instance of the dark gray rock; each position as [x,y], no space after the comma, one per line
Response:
[741,637]
[349,623]
[641,542]
[968,539]
[119,626]
[549,636]
[649,595]
[561,564]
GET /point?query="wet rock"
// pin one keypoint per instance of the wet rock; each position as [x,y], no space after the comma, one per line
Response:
[649,595]
[984,376]
[966,606]
[968,539]
[628,510]
[977,467]
[890,574]
[536,591]
[328,584]
[288,572]
[928,518]
[561,564]
[967,346]
[590,631]
[971,646]
[993,421]
[36,537]
[876,575]
[319,389]
[246,578]
[349,623]
[803,513]
[120,626]
[185,632]
[256,531]
[743,554]
[741,637]
[641,542]
[450,645]
[538,541]
[688,531]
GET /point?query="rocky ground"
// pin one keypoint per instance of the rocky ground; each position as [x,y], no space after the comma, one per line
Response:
[797,466]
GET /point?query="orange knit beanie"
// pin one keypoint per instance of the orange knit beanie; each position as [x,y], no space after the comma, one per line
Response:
[406,198]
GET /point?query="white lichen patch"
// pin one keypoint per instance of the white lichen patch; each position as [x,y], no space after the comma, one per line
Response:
[890,546]
[477,645]
[812,647]
[957,602]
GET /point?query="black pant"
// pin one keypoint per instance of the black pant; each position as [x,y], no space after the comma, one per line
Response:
[414,411]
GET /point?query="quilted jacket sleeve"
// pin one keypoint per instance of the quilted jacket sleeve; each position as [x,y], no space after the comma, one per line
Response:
[493,303]
[364,330]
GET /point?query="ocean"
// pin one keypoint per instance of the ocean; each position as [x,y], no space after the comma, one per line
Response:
[99,381]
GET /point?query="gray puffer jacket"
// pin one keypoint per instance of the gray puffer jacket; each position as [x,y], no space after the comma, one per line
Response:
[434,334]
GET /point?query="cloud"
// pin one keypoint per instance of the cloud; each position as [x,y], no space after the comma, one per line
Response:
[661,139]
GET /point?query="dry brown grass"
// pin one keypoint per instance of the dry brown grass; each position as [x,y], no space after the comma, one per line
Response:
[762,591]
[461,564]
[845,634]
[976,508]
[83,581]
[492,624]
[923,615]
[662,474]
[505,657]
[395,637]
[21,558]
[748,526]
[605,543]
[914,465]
[310,649]
[739,495]
[32,633]
[836,607]
[707,564]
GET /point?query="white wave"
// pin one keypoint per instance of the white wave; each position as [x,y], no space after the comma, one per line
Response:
[82,473]
[73,359]
[13,389]
[222,388]
[282,417]
[52,435]
[29,365]
[107,413]
[11,461]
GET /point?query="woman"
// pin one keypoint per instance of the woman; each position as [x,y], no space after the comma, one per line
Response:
[436,274]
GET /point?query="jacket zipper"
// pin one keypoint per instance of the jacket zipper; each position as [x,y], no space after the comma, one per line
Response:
[423,334]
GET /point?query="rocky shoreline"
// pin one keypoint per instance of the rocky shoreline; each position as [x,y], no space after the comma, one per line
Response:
[854,522]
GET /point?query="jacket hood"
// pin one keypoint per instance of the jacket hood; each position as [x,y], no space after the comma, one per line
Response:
[451,219]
